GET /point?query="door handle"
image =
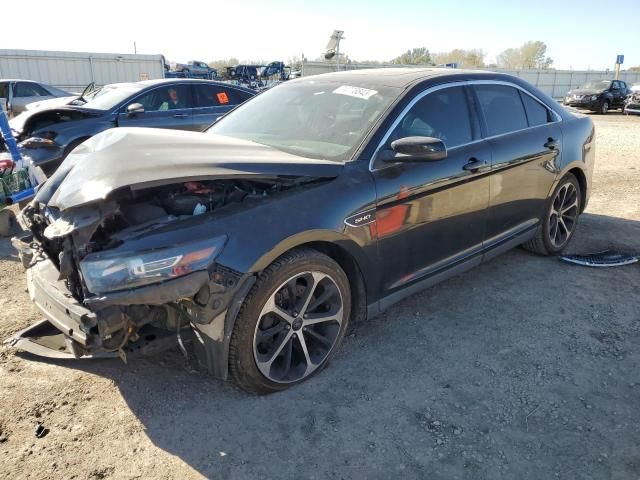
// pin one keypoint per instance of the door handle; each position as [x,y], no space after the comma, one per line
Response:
[474,165]
[180,115]
[552,144]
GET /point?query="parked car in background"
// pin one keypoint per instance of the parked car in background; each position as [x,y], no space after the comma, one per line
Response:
[16,94]
[195,69]
[322,200]
[632,102]
[89,92]
[48,135]
[598,95]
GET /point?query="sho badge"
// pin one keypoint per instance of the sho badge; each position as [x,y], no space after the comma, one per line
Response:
[360,219]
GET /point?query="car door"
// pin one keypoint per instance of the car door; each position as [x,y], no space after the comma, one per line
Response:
[212,101]
[432,215]
[165,106]
[4,96]
[526,142]
[616,94]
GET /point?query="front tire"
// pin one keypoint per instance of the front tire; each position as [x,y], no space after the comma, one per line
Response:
[291,323]
[560,220]
[604,107]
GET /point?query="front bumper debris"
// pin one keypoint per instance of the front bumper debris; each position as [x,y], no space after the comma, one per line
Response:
[58,305]
[45,340]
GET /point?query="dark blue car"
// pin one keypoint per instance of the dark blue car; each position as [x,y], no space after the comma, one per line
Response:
[48,136]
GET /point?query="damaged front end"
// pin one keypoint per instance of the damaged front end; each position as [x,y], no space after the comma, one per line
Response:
[117,276]
[123,254]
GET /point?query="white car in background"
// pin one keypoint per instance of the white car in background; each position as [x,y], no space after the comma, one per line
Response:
[16,94]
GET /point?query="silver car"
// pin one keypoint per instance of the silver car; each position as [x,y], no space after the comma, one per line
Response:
[16,94]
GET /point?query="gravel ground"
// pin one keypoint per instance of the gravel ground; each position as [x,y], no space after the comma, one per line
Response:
[525,367]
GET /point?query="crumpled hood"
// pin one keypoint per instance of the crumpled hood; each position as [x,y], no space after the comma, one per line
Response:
[147,157]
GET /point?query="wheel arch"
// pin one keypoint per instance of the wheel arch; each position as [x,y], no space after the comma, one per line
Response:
[582,181]
[577,169]
[342,249]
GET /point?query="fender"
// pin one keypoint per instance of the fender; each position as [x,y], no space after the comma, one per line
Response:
[587,176]
[212,345]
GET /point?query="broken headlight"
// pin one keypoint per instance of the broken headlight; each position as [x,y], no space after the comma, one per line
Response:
[110,271]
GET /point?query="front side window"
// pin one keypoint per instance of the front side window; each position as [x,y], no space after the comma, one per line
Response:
[24,89]
[443,114]
[169,97]
[502,108]
[3,91]
[537,114]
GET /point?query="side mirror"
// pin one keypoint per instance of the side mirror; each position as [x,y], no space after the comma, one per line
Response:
[418,149]
[134,109]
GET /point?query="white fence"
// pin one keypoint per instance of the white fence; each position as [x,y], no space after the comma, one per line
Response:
[555,83]
[74,70]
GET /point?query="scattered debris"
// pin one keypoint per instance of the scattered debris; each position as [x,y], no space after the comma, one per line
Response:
[526,420]
[41,430]
[606,258]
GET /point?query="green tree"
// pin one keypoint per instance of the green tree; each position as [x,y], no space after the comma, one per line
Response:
[464,58]
[415,56]
[530,55]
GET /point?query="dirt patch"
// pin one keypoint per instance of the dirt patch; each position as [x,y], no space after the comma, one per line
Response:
[523,368]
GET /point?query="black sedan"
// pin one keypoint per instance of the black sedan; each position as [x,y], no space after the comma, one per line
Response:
[50,134]
[324,200]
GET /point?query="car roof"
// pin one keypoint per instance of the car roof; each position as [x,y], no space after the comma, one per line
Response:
[21,80]
[168,81]
[395,76]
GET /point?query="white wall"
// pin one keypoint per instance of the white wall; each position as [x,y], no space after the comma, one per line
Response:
[74,70]
[555,83]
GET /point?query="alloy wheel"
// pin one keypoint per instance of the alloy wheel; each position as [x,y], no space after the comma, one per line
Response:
[298,327]
[563,215]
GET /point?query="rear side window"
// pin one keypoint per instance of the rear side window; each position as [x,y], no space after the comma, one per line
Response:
[502,108]
[536,113]
[3,91]
[215,96]
[443,114]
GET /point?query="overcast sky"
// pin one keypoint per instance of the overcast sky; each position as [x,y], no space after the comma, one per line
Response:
[579,34]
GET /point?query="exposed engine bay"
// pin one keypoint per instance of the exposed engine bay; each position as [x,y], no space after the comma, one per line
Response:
[40,120]
[119,317]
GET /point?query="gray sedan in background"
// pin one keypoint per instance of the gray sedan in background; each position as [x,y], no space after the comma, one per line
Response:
[15,95]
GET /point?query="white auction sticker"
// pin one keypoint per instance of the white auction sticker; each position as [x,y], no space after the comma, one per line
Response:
[357,92]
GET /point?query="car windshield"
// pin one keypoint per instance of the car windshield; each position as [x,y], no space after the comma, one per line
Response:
[110,97]
[311,118]
[597,85]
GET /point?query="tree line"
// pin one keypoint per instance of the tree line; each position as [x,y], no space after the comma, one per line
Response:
[532,54]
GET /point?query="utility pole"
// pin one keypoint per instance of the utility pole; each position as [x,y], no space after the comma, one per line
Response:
[135,49]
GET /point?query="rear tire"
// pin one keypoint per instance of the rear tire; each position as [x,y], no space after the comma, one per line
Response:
[291,322]
[560,219]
